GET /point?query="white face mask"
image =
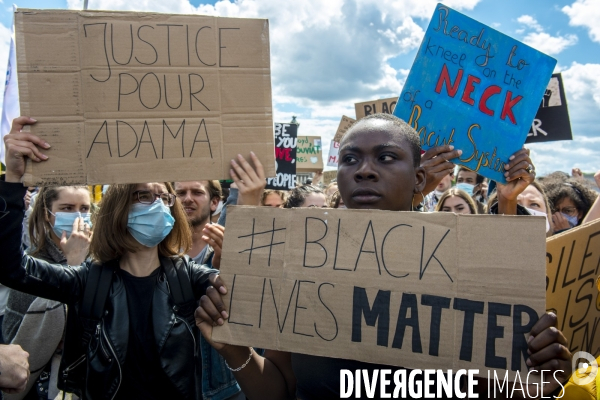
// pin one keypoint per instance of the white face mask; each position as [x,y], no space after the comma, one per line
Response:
[219,208]
[438,193]
[541,214]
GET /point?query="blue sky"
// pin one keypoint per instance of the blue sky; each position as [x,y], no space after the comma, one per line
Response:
[329,54]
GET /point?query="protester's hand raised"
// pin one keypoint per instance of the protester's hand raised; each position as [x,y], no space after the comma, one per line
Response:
[250,182]
[213,234]
[76,247]
[520,172]
[21,145]
[548,350]
[559,222]
[212,311]
[436,163]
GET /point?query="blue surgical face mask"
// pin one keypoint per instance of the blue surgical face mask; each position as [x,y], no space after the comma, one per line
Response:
[572,220]
[467,187]
[149,224]
[63,221]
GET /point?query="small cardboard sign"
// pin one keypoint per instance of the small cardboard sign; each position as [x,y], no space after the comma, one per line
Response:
[385,106]
[552,121]
[475,88]
[345,124]
[286,142]
[329,176]
[309,154]
[128,97]
[572,291]
[418,290]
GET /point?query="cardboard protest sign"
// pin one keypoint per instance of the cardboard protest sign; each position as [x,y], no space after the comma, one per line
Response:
[475,88]
[572,269]
[143,97]
[309,154]
[419,290]
[385,106]
[334,148]
[329,176]
[286,141]
[345,124]
[552,121]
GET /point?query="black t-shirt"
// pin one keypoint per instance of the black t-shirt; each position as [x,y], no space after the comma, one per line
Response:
[143,377]
[319,377]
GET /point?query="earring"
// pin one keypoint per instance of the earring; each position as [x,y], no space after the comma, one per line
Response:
[411,203]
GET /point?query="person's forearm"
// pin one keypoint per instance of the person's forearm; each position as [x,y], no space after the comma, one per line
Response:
[11,227]
[260,378]
[594,212]
[506,206]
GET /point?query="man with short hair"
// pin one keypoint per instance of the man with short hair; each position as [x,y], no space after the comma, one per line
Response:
[200,199]
[474,184]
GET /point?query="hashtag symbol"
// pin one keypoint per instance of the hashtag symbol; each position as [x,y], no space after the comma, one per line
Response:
[253,234]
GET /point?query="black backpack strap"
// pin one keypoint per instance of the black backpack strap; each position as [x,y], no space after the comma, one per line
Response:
[180,287]
[95,293]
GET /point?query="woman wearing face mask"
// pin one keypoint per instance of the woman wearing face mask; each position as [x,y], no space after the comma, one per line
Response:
[456,201]
[534,199]
[370,177]
[570,201]
[55,235]
[145,342]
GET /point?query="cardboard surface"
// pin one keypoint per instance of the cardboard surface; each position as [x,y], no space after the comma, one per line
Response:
[552,121]
[309,154]
[286,143]
[572,268]
[143,97]
[345,124]
[328,176]
[418,290]
[475,88]
[385,106]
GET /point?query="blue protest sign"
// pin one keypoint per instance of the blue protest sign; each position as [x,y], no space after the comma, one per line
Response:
[475,88]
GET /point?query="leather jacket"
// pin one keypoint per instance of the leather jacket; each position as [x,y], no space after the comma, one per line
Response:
[189,367]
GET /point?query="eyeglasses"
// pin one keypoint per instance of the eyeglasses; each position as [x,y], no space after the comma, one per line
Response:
[147,197]
[570,211]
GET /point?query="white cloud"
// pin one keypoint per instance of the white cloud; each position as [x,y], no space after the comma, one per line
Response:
[585,13]
[582,87]
[540,40]
[582,84]
[530,22]
[548,44]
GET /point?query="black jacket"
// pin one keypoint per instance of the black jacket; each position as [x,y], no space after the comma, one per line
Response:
[177,340]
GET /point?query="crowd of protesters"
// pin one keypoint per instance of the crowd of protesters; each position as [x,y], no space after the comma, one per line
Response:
[140,326]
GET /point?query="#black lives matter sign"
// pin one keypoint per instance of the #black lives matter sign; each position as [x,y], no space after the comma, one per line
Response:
[286,140]
[395,288]
[552,121]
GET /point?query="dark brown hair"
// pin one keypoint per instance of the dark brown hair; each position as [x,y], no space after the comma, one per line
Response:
[297,196]
[214,189]
[111,238]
